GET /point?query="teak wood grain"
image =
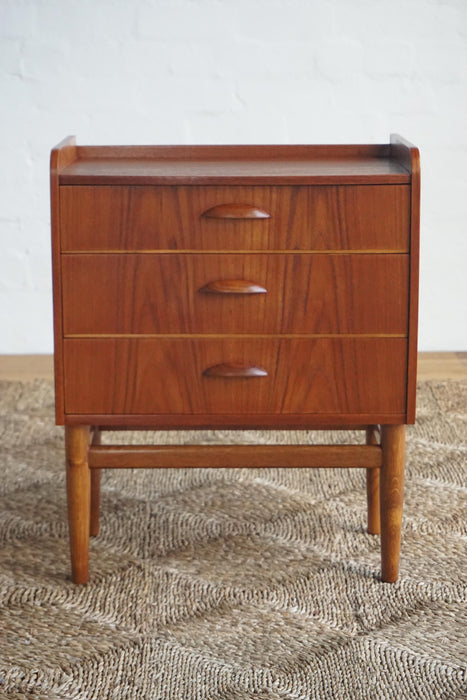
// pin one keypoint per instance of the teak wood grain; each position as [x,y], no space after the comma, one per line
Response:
[63,154]
[235,370]
[329,375]
[235,165]
[94,515]
[235,210]
[239,421]
[195,456]
[391,498]
[302,293]
[170,218]
[79,498]
[231,287]
[409,156]
[236,286]
[372,485]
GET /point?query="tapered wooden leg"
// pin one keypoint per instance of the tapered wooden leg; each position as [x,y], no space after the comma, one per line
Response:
[372,487]
[95,490]
[391,495]
[79,497]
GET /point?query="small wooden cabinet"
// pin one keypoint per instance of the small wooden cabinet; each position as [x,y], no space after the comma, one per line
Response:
[235,286]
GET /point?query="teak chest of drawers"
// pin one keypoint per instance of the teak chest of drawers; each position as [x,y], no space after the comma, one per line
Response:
[241,287]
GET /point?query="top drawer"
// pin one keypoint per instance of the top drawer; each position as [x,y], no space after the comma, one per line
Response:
[139,218]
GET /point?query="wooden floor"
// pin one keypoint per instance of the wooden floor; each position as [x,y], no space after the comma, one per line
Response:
[442,365]
[431,365]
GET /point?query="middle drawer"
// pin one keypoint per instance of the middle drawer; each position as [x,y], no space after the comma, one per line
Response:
[235,293]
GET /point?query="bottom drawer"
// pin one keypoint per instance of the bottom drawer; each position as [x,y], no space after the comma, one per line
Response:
[135,376]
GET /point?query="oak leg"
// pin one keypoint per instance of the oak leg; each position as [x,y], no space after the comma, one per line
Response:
[391,495]
[79,497]
[372,488]
[95,490]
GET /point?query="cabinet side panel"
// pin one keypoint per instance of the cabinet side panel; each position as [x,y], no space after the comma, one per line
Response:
[408,156]
[60,157]
[57,297]
[413,289]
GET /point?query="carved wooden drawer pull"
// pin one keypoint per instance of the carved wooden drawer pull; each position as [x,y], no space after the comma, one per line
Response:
[234,370]
[232,287]
[235,211]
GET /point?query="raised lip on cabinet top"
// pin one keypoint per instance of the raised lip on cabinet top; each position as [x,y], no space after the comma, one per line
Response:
[237,164]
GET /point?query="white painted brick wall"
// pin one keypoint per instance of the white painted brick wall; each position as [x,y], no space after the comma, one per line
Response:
[230,71]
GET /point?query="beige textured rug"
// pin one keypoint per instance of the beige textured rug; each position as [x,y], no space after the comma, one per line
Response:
[232,584]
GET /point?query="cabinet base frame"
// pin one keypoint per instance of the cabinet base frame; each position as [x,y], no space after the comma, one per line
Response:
[382,456]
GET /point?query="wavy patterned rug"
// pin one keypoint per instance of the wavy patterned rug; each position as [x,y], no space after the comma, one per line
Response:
[232,584]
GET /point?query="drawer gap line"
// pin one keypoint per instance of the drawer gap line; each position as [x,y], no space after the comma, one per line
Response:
[233,251]
[234,335]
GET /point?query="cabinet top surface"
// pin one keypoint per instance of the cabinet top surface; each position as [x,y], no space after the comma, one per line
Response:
[233,165]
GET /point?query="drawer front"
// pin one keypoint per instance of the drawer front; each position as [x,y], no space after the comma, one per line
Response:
[235,293]
[285,376]
[350,217]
